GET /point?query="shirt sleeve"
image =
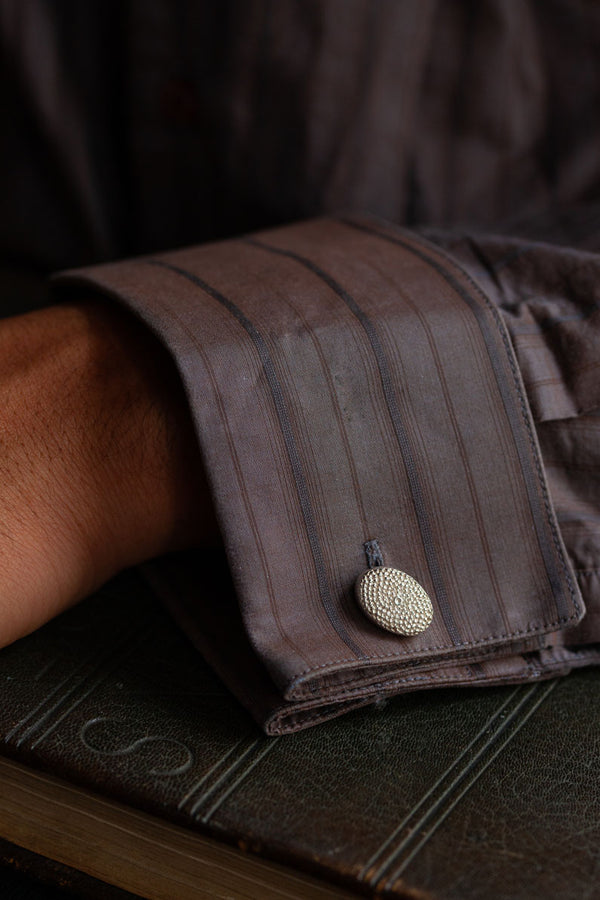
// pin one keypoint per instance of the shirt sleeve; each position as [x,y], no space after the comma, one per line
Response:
[352,388]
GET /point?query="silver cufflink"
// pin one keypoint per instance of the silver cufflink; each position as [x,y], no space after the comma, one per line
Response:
[394,600]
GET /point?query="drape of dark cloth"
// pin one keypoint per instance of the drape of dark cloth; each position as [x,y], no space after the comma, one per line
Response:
[386,367]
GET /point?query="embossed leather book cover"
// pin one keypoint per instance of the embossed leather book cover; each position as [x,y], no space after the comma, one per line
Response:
[450,794]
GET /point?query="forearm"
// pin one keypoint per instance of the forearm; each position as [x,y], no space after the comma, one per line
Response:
[99,466]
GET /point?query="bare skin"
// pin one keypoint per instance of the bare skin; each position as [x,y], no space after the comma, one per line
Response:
[99,465]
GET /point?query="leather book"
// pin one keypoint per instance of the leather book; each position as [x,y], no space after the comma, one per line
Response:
[126,759]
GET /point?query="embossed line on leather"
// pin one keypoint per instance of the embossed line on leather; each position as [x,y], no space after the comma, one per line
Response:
[402,436]
[290,444]
[394,856]
[231,779]
[526,446]
[91,718]
[223,763]
[204,797]
[65,697]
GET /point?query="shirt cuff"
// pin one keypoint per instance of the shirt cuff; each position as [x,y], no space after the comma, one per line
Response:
[349,383]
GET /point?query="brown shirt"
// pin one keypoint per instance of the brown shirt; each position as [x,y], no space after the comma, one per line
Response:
[350,381]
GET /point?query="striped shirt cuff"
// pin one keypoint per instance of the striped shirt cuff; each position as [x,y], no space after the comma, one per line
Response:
[349,382]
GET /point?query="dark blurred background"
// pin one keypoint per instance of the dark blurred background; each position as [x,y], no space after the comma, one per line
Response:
[141,125]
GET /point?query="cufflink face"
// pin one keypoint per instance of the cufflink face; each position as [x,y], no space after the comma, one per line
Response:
[394,600]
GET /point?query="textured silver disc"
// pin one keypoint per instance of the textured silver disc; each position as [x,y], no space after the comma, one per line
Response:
[394,600]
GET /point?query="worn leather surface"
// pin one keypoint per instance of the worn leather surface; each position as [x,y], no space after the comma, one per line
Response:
[529,826]
[453,795]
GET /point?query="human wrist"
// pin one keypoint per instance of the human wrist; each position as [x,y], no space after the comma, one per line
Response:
[100,467]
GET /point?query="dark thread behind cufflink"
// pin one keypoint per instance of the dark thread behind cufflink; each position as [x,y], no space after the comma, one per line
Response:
[373,553]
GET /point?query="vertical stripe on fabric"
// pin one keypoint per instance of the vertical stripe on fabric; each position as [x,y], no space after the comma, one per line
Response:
[531,481]
[290,445]
[402,437]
